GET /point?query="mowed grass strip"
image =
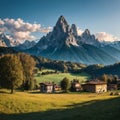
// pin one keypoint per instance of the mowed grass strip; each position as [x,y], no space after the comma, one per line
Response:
[27,106]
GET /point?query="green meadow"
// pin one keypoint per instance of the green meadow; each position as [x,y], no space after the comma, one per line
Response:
[36,106]
[58,77]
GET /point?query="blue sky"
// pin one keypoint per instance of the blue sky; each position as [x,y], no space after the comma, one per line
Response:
[96,15]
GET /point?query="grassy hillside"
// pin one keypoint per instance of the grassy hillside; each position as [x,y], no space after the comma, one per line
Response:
[29,106]
[58,77]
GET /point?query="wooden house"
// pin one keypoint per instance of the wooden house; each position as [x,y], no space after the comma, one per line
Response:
[95,86]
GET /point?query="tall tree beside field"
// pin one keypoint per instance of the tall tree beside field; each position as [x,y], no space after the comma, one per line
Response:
[11,72]
[28,64]
[65,84]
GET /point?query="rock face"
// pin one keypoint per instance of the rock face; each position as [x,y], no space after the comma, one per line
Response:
[63,43]
[87,38]
[4,41]
[74,30]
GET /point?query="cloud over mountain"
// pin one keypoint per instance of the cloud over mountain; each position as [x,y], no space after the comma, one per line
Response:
[79,31]
[21,30]
[103,36]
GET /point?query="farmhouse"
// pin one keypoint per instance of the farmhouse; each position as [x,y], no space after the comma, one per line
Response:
[96,86]
[48,87]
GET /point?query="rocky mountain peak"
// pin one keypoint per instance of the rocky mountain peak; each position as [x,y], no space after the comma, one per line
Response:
[61,20]
[86,32]
[61,26]
[74,29]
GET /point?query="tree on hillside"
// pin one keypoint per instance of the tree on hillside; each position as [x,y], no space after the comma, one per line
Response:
[65,84]
[28,64]
[115,78]
[109,78]
[11,73]
[104,77]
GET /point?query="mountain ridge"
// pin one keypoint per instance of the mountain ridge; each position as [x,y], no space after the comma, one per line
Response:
[64,43]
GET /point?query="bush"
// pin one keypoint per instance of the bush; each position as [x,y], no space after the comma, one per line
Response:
[65,84]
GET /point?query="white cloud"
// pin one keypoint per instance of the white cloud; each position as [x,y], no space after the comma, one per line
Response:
[1,22]
[25,35]
[46,30]
[20,30]
[79,31]
[103,36]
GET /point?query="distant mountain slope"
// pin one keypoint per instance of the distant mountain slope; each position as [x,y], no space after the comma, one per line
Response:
[63,43]
[115,44]
[6,50]
[6,42]
[112,51]
[98,70]
[26,45]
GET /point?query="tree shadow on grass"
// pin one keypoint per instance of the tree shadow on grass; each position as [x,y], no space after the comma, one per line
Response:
[92,110]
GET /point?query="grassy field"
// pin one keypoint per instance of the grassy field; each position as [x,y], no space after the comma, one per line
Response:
[36,106]
[58,77]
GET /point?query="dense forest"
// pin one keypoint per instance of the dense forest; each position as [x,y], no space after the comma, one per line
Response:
[62,66]
[98,70]
[95,70]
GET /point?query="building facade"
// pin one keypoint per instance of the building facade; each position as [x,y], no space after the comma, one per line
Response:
[46,87]
[49,87]
[95,86]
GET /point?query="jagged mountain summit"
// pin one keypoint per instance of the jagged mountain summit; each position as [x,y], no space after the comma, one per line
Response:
[64,43]
[4,41]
